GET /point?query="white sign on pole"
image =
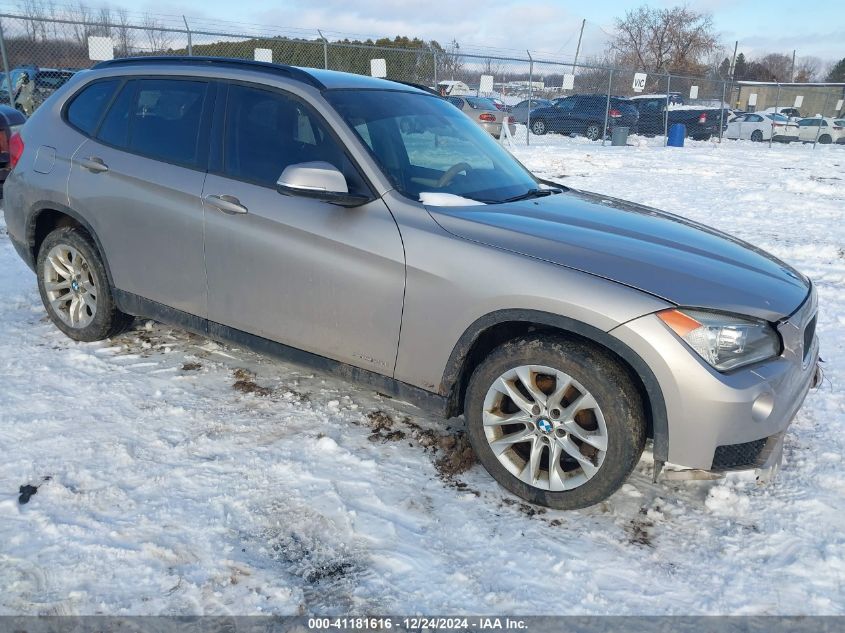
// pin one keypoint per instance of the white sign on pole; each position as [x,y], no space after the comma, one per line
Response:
[378,68]
[693,92]
[798,101]
[839,105]
[752,99]
[100,49]
[264,55]
[485,84]
[568,81]
[639,82]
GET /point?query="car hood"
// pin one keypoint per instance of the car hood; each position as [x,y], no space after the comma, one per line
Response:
[670,257]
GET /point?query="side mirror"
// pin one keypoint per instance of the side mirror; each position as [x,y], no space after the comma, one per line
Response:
[319,180]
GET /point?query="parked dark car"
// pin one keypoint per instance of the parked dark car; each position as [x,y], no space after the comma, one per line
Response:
[701,123]
[10,122]
[585,114]
[520,111]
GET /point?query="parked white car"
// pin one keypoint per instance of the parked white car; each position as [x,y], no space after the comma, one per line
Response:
[824,129]
[762,127]
[792,113]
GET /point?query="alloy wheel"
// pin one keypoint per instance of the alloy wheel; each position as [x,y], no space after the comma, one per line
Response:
[545,428]
[70,285]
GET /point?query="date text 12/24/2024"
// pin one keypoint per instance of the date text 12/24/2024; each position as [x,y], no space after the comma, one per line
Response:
[417,624]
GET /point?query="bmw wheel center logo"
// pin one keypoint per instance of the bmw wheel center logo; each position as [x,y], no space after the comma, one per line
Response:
[544,425]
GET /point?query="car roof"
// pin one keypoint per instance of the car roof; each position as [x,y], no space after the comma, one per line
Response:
[316,77]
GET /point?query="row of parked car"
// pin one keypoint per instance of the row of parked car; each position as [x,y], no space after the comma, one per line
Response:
[785,125]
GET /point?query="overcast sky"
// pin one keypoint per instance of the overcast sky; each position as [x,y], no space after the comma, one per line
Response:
[813,27]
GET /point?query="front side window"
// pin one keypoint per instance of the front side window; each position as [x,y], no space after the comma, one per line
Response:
[423,144]
[267,131]
[88,105]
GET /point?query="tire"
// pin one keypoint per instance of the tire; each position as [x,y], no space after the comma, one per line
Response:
[593,131]
[757,136]
[75,289]
[538,127]
[616,421]
[825,139]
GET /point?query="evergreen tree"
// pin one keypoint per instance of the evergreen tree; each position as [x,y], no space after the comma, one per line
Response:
[837,73]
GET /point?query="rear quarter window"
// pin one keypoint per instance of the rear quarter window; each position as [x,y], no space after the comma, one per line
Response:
[87,106]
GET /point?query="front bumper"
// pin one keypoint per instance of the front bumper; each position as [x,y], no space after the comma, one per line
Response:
[728,421]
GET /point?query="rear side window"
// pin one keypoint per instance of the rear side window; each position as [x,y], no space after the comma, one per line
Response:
[159,118]
[115,127]
[166,119]
[86,108]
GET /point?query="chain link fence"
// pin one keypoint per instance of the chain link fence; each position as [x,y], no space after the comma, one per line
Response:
[40,53]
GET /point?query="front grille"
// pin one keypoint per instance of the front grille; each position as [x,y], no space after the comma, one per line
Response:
[809,333]
[734,456]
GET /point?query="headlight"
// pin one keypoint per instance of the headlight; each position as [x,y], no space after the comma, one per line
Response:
[725,341]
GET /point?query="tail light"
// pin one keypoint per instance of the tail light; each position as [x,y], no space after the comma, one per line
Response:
[513,120]
[702,118]
[486,116]
[614,113]
[15,149]
[778,125]
[835,127]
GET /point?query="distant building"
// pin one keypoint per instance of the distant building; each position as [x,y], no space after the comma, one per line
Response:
[816,98]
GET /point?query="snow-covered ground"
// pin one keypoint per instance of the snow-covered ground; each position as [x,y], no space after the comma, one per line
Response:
[179,476]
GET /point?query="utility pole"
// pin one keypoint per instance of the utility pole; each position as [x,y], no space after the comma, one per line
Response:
[578,48]
[792,72]
[733,61]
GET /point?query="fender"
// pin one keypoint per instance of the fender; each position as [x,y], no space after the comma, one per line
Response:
[51,205]
[657,405]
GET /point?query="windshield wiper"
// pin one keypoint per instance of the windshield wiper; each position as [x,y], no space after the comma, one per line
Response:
[532,193]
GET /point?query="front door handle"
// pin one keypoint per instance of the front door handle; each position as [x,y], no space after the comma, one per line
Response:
[94,164]
[227,204]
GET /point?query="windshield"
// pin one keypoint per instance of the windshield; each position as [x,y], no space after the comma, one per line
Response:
[424,144]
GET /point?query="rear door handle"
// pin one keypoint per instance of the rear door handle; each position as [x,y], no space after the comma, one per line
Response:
[94,164]
[227,204]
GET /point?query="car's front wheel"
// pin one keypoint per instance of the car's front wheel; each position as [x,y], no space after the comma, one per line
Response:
[557,422]
[75,289]
[757,136]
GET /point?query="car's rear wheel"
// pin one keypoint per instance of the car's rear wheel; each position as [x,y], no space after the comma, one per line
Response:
[756,136]
[593,131]
[538,127]
[825,139]
[75,289]
[557,422]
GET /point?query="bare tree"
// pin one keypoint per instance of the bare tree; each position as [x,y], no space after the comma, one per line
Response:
[158,39]
[776,66]
[808,69]
[34,15]
[662,40]
[449,62]
[82,27]
[124,34]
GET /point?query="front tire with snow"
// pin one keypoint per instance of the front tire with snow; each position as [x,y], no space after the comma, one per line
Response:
[557,422]
[75,289]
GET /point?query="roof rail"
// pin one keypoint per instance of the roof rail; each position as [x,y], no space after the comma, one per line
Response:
[290,72]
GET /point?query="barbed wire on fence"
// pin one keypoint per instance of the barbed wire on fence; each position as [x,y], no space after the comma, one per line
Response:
[63,39]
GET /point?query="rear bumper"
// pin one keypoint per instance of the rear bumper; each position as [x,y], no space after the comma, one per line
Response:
[727,421]
[22,251]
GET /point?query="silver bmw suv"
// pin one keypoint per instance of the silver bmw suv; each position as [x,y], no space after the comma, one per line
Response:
[372,230]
